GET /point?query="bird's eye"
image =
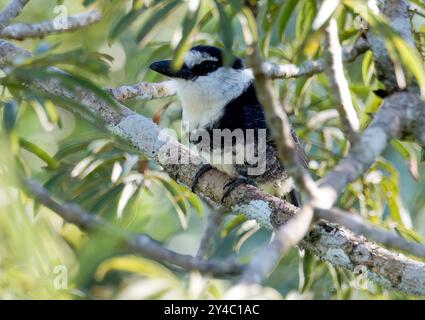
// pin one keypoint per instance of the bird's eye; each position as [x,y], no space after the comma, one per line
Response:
[208,65]
[204,68]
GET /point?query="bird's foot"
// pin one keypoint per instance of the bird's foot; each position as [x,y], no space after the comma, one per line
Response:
[234,183]
[199,174]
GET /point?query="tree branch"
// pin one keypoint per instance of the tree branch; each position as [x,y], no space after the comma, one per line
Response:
[389,123]
[334,244]
[355,224]
[12,10]
[149,90]
[279,125]
[287,236]
[140,243]
[215,219]
[342,248]
[397,12]
[334,68]
[143,90]
[21,31]
[309,68]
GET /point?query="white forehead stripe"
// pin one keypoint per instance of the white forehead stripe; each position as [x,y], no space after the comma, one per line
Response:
[193,58]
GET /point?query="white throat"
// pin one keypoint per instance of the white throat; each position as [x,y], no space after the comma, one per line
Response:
[203,100]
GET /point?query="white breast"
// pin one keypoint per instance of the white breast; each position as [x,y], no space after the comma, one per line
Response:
[204,99]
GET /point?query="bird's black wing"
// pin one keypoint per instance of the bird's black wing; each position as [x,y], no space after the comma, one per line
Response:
[246,112]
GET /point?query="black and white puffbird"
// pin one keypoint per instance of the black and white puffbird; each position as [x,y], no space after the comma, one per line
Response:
[218,100]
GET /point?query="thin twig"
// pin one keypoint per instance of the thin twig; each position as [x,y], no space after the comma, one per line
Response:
[309,68]
[279,125]
[215,219]
[380,235]
[297,227]
[339,84]
[143,90]
[12,10]
[140,243]
[286,237]
[149,90]
[331,243]
[21,31]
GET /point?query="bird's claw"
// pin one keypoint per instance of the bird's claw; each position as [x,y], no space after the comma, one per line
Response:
[234,183]
[199,174]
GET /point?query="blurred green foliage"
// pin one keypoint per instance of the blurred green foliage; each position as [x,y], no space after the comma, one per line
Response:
[41,256]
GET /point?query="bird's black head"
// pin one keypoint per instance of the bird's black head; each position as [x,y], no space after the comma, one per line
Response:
[199,61]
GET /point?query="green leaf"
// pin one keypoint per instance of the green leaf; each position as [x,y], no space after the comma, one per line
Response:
[39,152]
[401,148]
[93,62]
[412,60]
[335,280]
[54,182]
[189,27]
[419,3]
[249,26]
[246,231]
[232,224]
[309,263]
[305,19]
[74,81]
[87,3]
[196,203]
[367,67]
[123,24]
[137,4]
[409,234]
[390,187]
[76,145]
[410,154]
[286,12]
[178,196]
[134,264]
[372,105]
[10,114]
[326,10]
[226,33]
[159,14]
[103,200]
[127,193]
[397,47]
[268,22]
[51,111]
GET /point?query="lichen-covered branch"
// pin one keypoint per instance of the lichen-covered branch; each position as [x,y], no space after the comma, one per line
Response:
[279,124]
[333,244]
[149,90]
[309,68]
[143,90]
[401,114]
[12,10]
[397,13]
[388,124]
[380,235]
[20,31]
[287,236]
[341,93]
[296,228]
[140,243]
[395,271]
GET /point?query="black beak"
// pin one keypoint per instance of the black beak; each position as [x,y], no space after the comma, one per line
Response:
[164,67]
